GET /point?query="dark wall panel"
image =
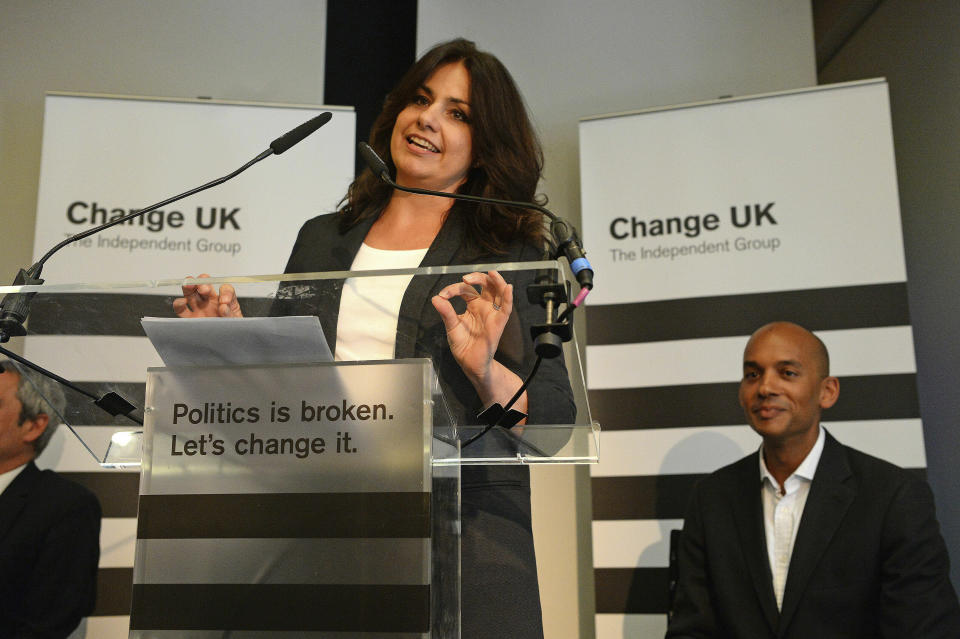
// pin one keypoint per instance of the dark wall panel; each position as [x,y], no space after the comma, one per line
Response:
[915,46]
[370,43]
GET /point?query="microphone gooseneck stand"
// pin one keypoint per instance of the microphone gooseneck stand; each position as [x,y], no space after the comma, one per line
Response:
[15,307]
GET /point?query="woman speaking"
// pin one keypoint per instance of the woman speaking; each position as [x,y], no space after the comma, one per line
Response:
[455,123]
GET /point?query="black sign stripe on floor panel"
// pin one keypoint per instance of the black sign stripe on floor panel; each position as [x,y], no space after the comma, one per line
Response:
[307,515]
[281,607]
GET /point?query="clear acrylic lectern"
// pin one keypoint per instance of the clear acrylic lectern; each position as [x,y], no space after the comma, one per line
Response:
[314,498]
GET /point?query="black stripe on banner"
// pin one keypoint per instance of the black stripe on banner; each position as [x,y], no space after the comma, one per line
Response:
[117,491]
[642,496]
[652,496]
[865,397]
[639,591]
[302,515]
[116,314]
[114,592]
[281,607]
[821,309]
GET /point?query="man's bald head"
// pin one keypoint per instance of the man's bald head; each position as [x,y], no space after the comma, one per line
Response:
[814,346]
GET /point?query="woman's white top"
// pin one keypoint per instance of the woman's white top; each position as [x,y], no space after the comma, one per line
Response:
[370,306]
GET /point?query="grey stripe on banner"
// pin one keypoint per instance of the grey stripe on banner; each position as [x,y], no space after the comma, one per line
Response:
[865,397]
[822,309]
[284,561]
[651,496]
[115,314]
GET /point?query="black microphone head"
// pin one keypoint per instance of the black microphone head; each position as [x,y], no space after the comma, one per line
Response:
[378,166]
[290,138]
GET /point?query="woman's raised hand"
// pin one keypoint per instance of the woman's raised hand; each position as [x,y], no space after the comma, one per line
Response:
[474,336]
[203,300]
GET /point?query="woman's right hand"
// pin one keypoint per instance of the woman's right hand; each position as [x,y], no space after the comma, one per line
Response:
[202,300]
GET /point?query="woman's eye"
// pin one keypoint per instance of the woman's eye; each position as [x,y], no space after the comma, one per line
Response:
[421,100]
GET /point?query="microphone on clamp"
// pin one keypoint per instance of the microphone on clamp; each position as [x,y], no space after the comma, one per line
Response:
[15,307]
[564,234]
[569,243]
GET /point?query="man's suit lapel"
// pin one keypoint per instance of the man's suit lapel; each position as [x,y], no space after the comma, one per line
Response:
[748,514]
[830,497]
[14,498]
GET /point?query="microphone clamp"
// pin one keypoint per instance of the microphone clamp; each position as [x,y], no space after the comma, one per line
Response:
[16,306]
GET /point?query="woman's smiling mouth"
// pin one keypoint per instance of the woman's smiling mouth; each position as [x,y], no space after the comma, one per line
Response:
[422,143]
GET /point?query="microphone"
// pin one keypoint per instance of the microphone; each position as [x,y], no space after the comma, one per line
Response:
[378,166]
[15,306]
[564,234]
[290,138]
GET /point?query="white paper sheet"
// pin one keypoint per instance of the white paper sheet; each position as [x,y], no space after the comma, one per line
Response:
[217,341]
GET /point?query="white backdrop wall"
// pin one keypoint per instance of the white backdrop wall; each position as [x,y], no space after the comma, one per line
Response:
[572,59]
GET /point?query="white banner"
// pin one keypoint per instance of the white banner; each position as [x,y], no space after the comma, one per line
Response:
[715,199]
[104,157]
[704,222]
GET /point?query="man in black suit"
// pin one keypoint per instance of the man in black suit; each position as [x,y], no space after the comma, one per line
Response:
[808,538]
[49,526]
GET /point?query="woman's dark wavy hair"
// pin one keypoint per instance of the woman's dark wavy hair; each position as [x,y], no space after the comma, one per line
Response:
[507,156]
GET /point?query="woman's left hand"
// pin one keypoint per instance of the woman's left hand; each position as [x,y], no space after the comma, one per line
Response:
[473,336]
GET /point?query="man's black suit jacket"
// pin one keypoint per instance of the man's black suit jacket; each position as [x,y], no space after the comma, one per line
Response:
[49,550]
[500,595]
[868,560]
